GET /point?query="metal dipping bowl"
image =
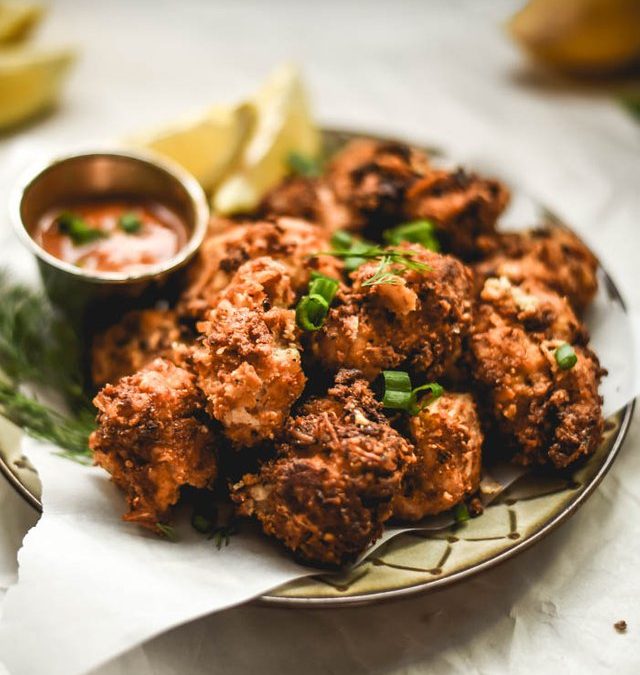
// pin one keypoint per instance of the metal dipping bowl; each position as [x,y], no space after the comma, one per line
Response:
[101,174]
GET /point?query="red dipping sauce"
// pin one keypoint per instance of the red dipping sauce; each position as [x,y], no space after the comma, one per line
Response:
[114,235]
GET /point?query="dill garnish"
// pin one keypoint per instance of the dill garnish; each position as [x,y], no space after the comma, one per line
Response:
[394,262]
[38,347]
[167,531]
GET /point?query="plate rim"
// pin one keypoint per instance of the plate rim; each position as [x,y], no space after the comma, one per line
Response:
[292,602]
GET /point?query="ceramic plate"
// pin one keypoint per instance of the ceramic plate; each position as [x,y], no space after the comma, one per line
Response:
[418,562]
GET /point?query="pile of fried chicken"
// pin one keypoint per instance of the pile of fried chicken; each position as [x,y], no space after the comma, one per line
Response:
[224,393]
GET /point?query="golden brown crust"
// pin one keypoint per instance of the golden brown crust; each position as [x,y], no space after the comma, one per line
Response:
[248,361]
[288,240]
[463,207]
[448,445]
[132,343]
[153,438]
[536,407]
[422,319]
[550,255]
[339,466]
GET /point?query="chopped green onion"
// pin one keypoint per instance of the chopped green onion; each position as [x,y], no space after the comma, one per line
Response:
[418,232]
[78,229]
[397,389]
[130,223]
[303,165]
[312,309]
[566,357]
[461,513]
[400,395]
[342,241]
[311,312]
[324,286]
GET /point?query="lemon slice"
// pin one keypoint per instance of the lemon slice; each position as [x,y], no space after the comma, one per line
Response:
[17,19]
[30,81]
[283,125]
[205,144]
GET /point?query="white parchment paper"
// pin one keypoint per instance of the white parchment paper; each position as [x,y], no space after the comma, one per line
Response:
[92,587]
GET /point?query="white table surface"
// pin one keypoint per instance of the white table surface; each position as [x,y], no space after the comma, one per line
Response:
[439,72]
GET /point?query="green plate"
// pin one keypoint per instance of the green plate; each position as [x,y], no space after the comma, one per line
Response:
[420,561]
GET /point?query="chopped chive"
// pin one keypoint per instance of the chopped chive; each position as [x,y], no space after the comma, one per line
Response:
[400,395]
[461,513]
[303,165]
[566,357]
[130,223]
[342,241]
[77,228]
[324,286]
[418,232]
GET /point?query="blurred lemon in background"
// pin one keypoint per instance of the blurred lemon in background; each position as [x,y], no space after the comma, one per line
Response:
[30,80]
[207,144]
[582,36]
[283,125]
[17,19]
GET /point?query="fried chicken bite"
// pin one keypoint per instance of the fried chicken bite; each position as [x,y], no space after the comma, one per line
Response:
[154,437]
[311,199]
[132,343]
[372,178]
[289,240]
[339,466]
[463,207]
[448,445]
[551,255]
[540,412]
[421,318]
[248,360]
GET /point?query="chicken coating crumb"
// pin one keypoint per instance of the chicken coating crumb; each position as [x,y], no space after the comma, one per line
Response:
[462,206]
[448,446]
[132,343]
[248,360]
[153,437]
[550,255]
[288,240]
[311,199]
[339,466]
[422,319]
[543,414]
[372,177]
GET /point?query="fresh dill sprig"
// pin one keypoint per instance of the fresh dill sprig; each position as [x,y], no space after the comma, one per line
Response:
[38,420]
[223,533]
[36,344]
[394,262]
[38,347]
[167,531]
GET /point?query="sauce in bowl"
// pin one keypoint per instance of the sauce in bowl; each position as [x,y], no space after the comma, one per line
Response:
[115,235]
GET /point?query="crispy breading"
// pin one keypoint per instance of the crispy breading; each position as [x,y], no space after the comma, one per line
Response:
[311,199]
[289,240]
[136,340]
[339,466]
[542,414]
[448,447]
[248,360]
[551,255]
[462,206]
[153,437]
[421,319]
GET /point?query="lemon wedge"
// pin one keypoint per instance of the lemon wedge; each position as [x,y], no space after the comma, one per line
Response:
[580,35]
[283,125]
[206,144]
[30,81]
[17,19]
